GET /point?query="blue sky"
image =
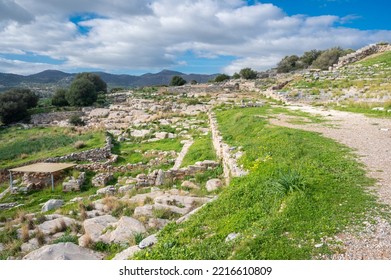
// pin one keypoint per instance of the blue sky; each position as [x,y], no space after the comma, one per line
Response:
[191,36]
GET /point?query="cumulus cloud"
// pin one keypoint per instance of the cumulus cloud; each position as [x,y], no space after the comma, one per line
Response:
[12,12]
[140,35]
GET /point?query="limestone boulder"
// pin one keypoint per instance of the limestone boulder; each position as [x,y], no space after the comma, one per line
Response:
[126,254]
[148,242]
[52,204]
[56,225]
[63,251]
[95,226]
[213,184]
[126,228]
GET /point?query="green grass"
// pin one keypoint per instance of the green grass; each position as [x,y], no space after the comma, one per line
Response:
[18,145]
[302,187]
[384,59]
[366,108]
[202,149]
[134,152]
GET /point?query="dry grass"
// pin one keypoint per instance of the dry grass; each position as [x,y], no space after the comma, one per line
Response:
[79,145]
[40,237]
[25,233]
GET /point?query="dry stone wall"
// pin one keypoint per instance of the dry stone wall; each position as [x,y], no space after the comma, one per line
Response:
[361,54]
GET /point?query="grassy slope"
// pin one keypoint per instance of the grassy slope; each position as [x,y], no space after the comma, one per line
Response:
[202,149]
[18,146]
[273,222]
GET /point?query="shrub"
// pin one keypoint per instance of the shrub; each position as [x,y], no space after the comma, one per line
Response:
[59,98]
[287,181]
[81,93]
[248,74]
[76,120]
[15,103]
[177,81]
[221,78]
[79,144]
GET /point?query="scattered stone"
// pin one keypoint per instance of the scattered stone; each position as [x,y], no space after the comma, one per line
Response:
[94,227]
[101,179]
[213,185]
[157,223]
[231,236]
[159,178]
[29,246]
[148,242]
[63,251]
[107,190]
[125,189]
[126,227]
[76,199]
[52,204]
[5,206]
[126,254]
[56,225]
[161,135]
[74,184]
[140,133]
[1,247]
[190,185]
[319,245]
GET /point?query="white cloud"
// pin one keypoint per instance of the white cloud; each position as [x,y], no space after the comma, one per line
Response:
[133,35]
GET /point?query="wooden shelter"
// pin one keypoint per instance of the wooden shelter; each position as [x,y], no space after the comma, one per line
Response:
[42,167]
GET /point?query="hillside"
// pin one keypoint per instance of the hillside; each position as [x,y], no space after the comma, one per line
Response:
[364,83]
[49,80]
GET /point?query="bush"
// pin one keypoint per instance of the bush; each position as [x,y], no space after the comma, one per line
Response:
[81,93]
[76,120]
[288,64]
[15,103]
[248,74]
[221,78]
[177,81]
[329,57]
[99,84]
[79,144]
[59,98]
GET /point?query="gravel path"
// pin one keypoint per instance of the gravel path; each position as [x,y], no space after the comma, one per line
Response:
[371,140]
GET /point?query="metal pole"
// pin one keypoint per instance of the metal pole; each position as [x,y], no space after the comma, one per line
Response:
[52,182]
[11,181]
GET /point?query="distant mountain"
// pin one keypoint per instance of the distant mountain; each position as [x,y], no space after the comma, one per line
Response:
[49,80]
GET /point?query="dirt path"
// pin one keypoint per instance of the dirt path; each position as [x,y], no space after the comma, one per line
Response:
[371,140]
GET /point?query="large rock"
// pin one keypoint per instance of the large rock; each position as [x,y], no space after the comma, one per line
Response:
[148,242]
[56,225]
[213,185]
[52,204]
[160,178]
[140,133]
[94,227]
[126,254]
[63,251]
[126,228]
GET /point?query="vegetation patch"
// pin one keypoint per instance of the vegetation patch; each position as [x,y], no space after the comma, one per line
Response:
[202,149]
[302,188]
[18,145]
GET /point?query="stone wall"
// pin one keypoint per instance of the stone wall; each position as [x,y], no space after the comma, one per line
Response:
[53,118]
[223,151]
[93,155]
[361,54]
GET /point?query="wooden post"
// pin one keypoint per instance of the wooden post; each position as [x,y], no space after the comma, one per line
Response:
[52,182]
